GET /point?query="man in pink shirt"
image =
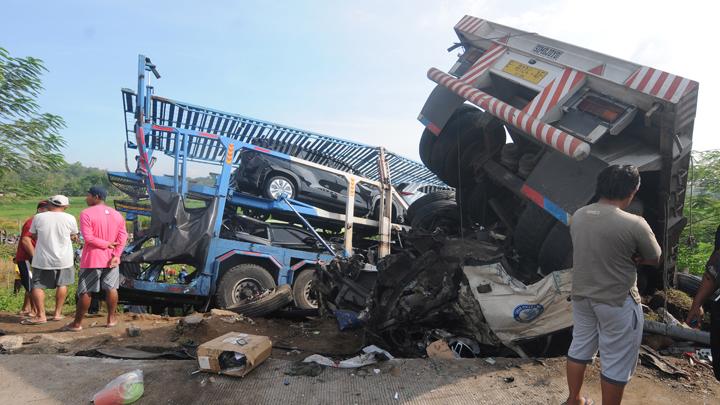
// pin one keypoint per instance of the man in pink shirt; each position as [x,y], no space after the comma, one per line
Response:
[104,232]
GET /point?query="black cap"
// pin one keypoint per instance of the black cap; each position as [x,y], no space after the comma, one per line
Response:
[98,191]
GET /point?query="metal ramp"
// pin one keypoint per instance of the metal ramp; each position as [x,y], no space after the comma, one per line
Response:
[333,152]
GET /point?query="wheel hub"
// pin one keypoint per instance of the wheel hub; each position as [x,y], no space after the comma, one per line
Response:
[280,187]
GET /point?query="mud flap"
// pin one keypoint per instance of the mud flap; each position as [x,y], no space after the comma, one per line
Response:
[517,311]
[438,108]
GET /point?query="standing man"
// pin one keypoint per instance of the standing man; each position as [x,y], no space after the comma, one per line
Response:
[608,244]
[710,283]
[104,232]
[24,256]
[52,263]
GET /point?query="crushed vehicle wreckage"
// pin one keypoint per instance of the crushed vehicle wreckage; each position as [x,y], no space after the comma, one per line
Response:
[457,289]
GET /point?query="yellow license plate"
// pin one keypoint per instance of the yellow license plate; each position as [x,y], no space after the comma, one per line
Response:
[525,72]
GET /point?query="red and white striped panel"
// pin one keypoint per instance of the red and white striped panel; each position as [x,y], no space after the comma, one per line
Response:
[468,24]
[547,134]
[554,92]
[483,64]
[660,84]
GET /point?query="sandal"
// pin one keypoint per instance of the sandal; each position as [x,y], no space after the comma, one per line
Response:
[31,322]
[55,319]
[68,328]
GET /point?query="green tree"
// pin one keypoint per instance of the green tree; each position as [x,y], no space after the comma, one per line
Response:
[702,208]
[30,138]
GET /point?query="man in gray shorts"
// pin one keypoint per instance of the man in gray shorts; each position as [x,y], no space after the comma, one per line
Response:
[103,230]
[52,263]
[608,244]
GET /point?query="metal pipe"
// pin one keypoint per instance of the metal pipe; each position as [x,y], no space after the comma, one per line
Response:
[677,332]
[547,134]
[309,227]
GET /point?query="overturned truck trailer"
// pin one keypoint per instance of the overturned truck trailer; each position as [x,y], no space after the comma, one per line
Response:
[521,125]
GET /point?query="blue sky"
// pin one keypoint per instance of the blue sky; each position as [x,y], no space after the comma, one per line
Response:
[350,69]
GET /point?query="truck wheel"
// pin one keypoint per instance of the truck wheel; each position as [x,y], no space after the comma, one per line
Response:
[532,227]
[275,300]
[241,283]
[303,292]
[427,199]
[473,203]
[427,140]
[556,252]
[279,185]
[438,214]
[447,141]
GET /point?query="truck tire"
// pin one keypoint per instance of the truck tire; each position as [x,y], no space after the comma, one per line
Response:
[530,232]
[277,299]
[427,140]
[473,203]
[241,282]
[438,214]
[556,252]
[302,291]
[448,139]
[427,199]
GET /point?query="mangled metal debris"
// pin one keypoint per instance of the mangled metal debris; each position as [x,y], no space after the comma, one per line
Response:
[446,288]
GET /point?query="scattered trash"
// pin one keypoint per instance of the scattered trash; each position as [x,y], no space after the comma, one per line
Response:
[234,354]
[124,389]
[397,396]
[509,379]
[439,349]
[376,371]
[307,369]
[464,347]
[704,354]
[133,331]
[286,381]
[10,343]
[227,316]
[371,355]
[650,357]
[490,360]
[347,320]
[193,319]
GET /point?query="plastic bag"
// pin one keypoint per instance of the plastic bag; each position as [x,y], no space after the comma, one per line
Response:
[124,389]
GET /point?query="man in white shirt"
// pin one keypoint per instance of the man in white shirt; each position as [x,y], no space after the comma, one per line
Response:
[52,263]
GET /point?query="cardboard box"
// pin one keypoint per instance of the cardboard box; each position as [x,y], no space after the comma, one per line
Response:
[233,353]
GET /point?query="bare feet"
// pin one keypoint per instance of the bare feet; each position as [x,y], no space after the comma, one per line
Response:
[57,318]
[71,327]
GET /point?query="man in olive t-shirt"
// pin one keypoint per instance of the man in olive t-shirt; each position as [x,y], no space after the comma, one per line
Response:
[608,244]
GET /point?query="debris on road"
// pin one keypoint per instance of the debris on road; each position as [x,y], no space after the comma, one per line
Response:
[651,358]
[299,368]
[234,354]
[124,389]
[439,349]
[193,319]
[133,331]
[371,355]
[10,343]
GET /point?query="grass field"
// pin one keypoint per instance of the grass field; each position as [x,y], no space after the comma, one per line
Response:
[13,213]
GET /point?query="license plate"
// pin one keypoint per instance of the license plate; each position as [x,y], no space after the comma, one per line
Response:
[525,72]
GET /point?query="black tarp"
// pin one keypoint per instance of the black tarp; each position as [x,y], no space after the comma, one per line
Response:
[182,234]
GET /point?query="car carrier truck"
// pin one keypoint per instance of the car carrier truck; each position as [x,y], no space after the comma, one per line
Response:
[234,259]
